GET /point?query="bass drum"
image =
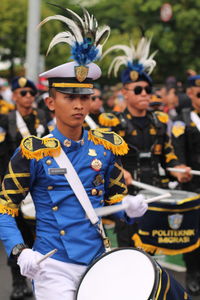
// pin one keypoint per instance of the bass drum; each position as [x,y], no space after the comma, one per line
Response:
[123,273]
[170,226]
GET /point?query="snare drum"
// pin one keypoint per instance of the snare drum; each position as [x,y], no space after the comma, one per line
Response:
[171,226]
[130,274]
[123,273]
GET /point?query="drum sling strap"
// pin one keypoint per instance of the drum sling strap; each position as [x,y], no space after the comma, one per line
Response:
[78,189]
[195,118]
[91,123]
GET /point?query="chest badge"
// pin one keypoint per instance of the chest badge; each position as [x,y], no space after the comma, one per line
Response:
[96,164]
[92,152]
[98,180]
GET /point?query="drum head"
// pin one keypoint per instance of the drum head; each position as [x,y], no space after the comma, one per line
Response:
[177,196]
[124,273]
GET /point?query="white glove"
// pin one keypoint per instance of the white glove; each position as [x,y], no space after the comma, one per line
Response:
[28,263]
[136,205]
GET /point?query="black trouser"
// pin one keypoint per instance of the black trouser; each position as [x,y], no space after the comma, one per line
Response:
[192,261]
[124,233]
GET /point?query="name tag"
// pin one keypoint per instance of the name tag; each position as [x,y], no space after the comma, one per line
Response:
[57,171]
[145,155]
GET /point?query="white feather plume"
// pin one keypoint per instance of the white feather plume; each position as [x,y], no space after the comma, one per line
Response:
[116,63]
[71,24]
[79,30]
[135,55]
[62,37]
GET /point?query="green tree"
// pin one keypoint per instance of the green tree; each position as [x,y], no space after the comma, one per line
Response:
[177,41]
[13,31]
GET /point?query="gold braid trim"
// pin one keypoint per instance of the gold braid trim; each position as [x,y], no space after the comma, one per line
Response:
[8,210]
[104,120]
[120,149]
[159,285]
[158,250]
[167,288]
[115,199]
[42,152]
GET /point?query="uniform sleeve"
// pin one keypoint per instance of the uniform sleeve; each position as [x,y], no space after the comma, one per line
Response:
[116,188]
[15,185]
[14,189]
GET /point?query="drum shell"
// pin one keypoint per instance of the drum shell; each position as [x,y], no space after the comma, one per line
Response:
[169,228]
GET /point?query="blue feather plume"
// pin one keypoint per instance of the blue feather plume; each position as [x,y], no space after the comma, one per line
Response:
[135,66]
[84,53]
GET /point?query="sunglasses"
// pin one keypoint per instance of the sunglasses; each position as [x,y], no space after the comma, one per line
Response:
[24,92]
[198,95]
[96,97]
[138,90]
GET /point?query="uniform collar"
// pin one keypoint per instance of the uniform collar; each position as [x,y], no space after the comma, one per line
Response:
[130,116]
[68,144]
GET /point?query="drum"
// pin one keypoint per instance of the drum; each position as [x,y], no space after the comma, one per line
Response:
[171,226]
[123,273]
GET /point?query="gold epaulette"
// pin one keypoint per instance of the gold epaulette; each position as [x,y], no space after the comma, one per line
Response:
[34,147]
[162,117]
[110,140]
[108,119]
[6,107]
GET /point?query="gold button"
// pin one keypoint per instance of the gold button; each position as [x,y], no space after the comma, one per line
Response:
[94,192]
[82,142]
[55,208]
[67,143]
[104,153]
[102,201]
[50,187]
[100,192]
[62,232]
[48,162]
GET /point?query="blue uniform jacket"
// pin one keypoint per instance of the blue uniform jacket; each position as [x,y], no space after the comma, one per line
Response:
[60,220]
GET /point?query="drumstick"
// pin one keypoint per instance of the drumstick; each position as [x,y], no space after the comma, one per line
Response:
[148,187]
[157,198]
[50,253]
[108,210]
[193,172]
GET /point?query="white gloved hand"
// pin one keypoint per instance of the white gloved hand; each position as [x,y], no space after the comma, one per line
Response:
[136,205]
[27,262]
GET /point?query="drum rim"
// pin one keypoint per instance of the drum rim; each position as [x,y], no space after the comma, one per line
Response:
[155,267]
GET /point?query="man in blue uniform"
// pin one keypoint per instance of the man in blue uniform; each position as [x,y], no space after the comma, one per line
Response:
[25,120]
[39,166]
